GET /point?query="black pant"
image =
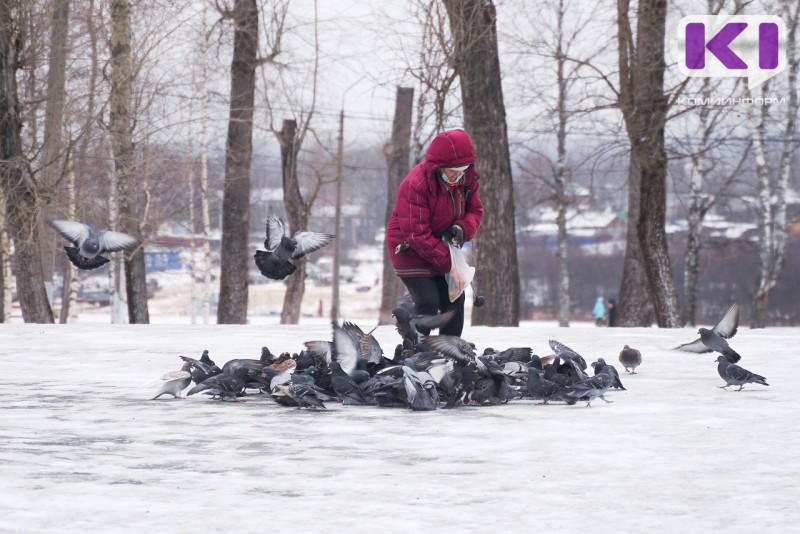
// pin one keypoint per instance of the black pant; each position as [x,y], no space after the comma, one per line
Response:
[430,296]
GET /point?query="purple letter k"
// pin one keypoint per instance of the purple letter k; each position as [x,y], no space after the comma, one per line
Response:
[718,45]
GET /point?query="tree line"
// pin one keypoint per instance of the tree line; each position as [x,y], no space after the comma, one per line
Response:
[95,99]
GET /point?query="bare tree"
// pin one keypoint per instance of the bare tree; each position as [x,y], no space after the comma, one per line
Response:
[701,200]
[433,70]
[772,196]
[53,146]
[5,262]
[644,107]
[562,86]
[397,161]
[19,190]
[232,307]
[122,76]
[473,25]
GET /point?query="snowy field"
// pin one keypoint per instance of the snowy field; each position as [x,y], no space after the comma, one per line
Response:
[82,448]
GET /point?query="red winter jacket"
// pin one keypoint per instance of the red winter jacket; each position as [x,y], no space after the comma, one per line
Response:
[426,207]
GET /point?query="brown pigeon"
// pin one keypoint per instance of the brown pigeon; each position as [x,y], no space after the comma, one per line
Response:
[630,359]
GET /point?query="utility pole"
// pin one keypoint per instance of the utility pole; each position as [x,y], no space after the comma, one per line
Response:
[338,222]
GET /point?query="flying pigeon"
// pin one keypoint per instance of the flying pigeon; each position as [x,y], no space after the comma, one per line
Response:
[630,359]
[734,375]
[89,247]
[451,346]
[410,324]
[714,339]
[280,248]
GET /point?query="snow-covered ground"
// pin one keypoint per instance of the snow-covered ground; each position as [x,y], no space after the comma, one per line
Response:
[82,448]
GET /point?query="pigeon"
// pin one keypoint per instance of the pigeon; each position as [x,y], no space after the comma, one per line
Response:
[175,382]
[345,387]
[410,324]
[451,346]
[224,385]
[203,368]
[274,262]
[540,389]
[734,375]
[420,389]
[600,366]
[89,247]
[714,339]
[630,359]
[591,388]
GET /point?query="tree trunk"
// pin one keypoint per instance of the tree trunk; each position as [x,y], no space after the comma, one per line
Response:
[764,281]
[5,262]
[297,215]
[397,153]
[69,284]
[204,199]
[635,304]
[644,106]
[235,251]
[562,251]
[473,24]
[53,145]
[22,203]
[772,201]
[124,165]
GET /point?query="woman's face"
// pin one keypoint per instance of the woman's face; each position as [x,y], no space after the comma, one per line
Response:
[452,175]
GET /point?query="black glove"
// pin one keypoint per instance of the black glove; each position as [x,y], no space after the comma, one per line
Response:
[454,235]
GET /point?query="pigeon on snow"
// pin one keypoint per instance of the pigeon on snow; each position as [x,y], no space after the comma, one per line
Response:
[274,262]
[89,246]
[630,359]
[175,382]
[734,375]
[714,339]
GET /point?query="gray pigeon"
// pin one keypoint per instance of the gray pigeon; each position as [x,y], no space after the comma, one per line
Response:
[411,325]
[451,346]
[591,388]
[734,375]
[714,339]
[281,247]
[630,359]
[175,382]
[601,366]
[541,389]
[89,246]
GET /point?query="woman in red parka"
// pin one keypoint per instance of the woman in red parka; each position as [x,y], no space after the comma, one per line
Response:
[437,199]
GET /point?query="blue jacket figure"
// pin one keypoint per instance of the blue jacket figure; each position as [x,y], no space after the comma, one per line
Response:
[599,311]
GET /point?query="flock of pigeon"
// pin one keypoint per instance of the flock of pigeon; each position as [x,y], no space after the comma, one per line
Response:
[427,372]
[424,372]
[274,262]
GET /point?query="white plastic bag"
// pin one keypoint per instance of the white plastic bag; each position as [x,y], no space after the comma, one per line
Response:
[460,275]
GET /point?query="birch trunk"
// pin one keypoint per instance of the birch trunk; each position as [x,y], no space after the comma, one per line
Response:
[766,243]
[204,198]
